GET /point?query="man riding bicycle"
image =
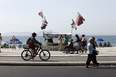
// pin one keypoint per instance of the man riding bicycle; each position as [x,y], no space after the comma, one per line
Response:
[33,44]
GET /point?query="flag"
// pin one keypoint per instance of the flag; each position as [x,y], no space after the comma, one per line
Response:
[79,20]
[73,25]
[40,14]
[44,24]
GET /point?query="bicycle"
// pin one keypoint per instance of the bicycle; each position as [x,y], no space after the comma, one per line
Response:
[43,54]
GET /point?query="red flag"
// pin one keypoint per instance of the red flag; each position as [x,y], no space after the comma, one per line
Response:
[79,20]
[40,14]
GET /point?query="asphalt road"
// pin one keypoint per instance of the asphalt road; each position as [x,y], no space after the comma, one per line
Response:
[57,71]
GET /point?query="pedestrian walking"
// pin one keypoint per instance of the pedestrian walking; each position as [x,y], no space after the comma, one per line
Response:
[83,43]
[78,41]
[94,44]
[90,55]
[60,43]
[0,42]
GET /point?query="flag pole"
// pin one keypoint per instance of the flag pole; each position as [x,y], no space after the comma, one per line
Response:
[72,31]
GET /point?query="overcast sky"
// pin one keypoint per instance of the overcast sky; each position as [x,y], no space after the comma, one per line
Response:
[22,16]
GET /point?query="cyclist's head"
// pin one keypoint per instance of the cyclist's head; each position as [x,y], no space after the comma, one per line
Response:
[34,34]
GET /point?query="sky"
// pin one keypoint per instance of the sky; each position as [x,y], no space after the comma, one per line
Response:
[22,16]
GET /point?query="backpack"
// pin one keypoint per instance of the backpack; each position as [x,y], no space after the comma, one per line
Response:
[28,41]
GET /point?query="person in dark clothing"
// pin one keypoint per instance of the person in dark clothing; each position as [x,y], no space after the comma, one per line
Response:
[90,54]
[94,44]
[69,46]
[78,43]
[33,44]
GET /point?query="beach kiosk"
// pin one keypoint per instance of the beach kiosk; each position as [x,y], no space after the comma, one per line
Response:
[53,45]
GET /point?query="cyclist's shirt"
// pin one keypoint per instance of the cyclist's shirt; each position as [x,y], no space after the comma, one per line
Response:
[32,45]
[34,41]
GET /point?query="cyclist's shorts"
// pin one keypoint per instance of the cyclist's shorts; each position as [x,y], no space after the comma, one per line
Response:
[32,46]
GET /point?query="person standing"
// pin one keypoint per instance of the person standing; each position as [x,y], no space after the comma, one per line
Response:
[60,43]
[14,39]
[0,42]
[90,55]
[65,39]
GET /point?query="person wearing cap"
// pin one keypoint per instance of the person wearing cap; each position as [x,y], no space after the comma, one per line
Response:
[90,55]
[65,40]
[34,44]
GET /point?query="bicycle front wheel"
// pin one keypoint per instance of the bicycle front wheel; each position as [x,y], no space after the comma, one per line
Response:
[44,55]
[26,55]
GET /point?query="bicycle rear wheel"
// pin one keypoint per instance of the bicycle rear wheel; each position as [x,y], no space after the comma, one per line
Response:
[44,55]
[26,55]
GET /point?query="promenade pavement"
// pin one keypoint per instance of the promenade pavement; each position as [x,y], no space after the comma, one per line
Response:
[8,53]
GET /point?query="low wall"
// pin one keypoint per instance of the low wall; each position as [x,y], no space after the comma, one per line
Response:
[106,48]
[55,48]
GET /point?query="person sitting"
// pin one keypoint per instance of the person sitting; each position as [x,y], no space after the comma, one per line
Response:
[50,41]
[100,44]
[105,44]
[20,46]
[4,46]
[108,44]
[69,46]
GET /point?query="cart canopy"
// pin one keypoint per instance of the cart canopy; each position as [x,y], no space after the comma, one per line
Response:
[48,35]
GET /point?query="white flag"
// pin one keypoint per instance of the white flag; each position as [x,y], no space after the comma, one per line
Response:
[73,25]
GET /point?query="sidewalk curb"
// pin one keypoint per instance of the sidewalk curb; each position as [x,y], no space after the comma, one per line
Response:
[59,56]
[51,64]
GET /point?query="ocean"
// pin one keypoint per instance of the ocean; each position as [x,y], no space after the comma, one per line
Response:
[111,39]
